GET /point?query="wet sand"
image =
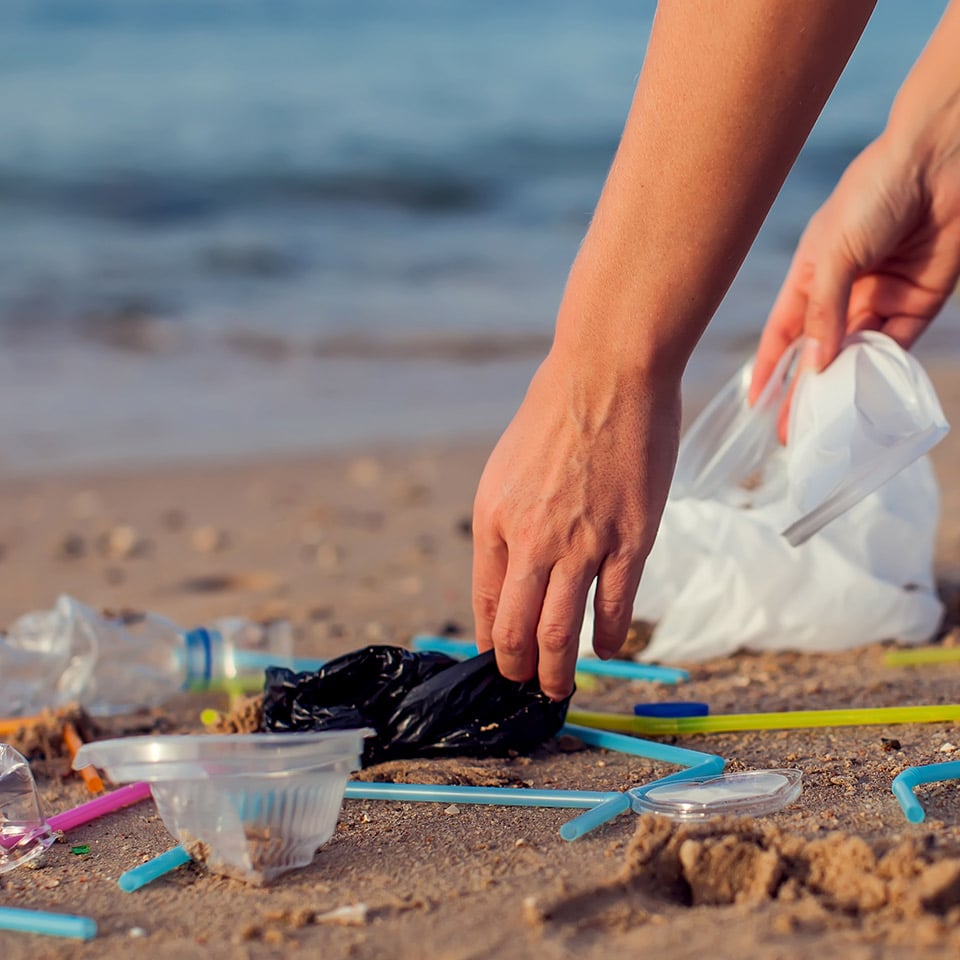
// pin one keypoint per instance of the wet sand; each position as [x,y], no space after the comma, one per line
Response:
[373,546]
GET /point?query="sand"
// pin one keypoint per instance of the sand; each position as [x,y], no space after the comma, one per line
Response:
[373,545]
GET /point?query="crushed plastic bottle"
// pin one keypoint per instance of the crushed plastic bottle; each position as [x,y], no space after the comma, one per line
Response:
[24,832]
[115,663]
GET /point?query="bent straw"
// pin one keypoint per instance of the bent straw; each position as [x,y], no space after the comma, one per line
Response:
[49,924]
[920,656]
[623,669]
[73,743]
[699,765]
[153,869]
[108,803]
[787,720]
[494,796]
[904,783]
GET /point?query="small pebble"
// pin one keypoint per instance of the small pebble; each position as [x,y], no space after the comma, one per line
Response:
[452,810]
[208,539]
[889,744]
[121,542]
[351,915]
[136,932]
[533,913]
[947,748]
[71,547]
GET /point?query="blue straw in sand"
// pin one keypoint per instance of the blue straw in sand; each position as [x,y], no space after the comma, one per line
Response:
[623,669]
[407,792]
[496,796]
[255,660]
[699,765]
[49,924]
[153,869]
[904,783]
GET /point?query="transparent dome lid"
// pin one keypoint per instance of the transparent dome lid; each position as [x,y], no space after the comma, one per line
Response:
[748,793]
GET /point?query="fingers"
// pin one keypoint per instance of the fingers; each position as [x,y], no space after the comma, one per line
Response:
[558,633]
[489,569]
[613,605]
[784,325]
[514,631]
[905,330]
[825,319]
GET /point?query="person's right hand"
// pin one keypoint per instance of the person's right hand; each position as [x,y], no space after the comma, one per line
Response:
[883,253]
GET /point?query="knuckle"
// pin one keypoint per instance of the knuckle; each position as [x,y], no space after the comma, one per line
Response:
[510,643]
[614,609]
[555,639]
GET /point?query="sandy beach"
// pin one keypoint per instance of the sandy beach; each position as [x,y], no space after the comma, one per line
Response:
[374,546]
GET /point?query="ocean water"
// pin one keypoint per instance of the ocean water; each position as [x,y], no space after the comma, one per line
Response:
[234,226]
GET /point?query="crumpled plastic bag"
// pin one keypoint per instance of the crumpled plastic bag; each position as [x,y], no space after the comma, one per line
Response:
[419,704]
[823,545]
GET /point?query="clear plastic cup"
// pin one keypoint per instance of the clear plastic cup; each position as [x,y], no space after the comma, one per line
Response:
[24,833]
[251,806]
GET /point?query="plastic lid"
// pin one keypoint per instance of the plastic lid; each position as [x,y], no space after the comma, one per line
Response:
[861,421]
[750,793]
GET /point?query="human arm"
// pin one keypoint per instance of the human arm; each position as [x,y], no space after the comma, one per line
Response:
[575,488]
[883,252]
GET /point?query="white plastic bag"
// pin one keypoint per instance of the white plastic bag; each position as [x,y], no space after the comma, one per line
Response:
[851,489]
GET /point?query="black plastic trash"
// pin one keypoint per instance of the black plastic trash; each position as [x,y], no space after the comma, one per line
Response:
[420,704]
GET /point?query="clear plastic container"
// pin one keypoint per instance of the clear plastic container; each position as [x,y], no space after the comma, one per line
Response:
[251,806]
[752,793]
[121,662]
[24,833]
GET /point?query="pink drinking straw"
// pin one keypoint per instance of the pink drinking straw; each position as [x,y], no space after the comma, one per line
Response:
[99,807]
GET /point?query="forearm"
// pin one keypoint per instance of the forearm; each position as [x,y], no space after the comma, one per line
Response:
[727,95]
[926,112]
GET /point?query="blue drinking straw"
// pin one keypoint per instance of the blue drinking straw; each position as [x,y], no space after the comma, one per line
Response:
[651,749]
[623,669]
[255,660]
[904,783]
[496,796]
[151,870]
[49,924]
[406,792]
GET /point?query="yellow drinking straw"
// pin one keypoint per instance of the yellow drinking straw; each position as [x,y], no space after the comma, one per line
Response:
[788,720]
[921,656]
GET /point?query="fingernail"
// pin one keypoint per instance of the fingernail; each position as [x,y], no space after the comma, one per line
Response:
[811,356]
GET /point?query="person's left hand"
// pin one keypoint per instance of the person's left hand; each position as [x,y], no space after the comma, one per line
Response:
[573,492]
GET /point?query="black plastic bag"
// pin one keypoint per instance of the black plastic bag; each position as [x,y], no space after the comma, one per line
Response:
[420,704]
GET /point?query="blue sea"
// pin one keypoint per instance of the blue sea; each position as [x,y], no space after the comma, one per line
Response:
[232,227]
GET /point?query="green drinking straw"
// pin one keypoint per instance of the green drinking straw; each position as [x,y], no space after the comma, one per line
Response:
[787,720]
[904,783]
[48,924]
[920,656]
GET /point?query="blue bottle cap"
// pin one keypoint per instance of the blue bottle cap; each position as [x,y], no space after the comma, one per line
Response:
[673,708]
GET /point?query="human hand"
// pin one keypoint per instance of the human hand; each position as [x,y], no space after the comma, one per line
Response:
[573,491]
[883,253]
